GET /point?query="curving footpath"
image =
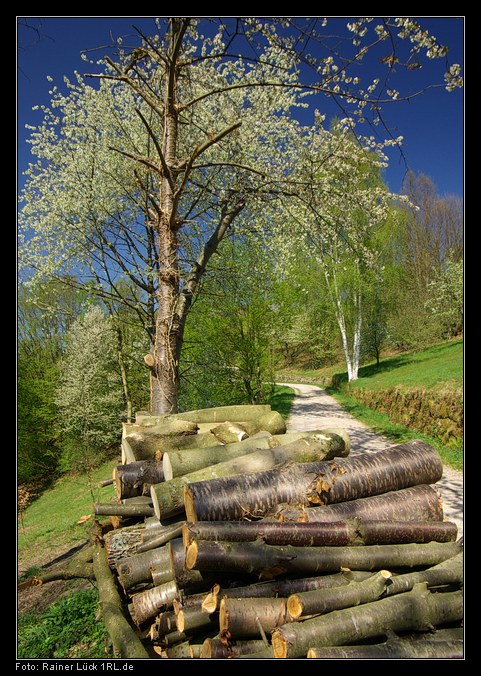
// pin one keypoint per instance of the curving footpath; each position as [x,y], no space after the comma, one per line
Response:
[314,409]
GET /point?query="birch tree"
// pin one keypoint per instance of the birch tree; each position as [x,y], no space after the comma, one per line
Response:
[186,137]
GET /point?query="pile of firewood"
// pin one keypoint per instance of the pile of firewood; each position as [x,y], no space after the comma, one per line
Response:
[231,538]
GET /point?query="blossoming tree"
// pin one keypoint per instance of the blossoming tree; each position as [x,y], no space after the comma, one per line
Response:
[186,137]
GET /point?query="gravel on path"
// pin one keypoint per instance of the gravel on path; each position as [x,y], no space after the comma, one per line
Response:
[314,409]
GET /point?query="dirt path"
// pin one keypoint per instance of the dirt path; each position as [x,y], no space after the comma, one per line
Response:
[314,409]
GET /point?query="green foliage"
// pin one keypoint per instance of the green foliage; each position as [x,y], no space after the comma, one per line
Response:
[69,629]
[445,299]
[281,400]
[89,395]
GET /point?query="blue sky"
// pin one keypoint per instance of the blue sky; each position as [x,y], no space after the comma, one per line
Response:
[431,124]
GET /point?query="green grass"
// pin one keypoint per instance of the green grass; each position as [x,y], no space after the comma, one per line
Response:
[68,629]
[281,400]
[50,521]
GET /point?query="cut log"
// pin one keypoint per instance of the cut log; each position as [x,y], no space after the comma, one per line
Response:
[215,648]
[268,561]
[121,543]
[257,494]
[146,441]
[168,533]
[229,433]
[135,478]
[235,413]
[271,422]
[137,569]
[449,572]
[165,623]
[124,639]
[417,503]
[148,603]
[244,618]
[393,649]
[184,461]
[137,509]
[168,497]
[323,601]
[193,619]
[352,532]
[190,580]
[417,610]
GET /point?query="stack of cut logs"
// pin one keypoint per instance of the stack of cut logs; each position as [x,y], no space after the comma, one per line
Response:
[233,538]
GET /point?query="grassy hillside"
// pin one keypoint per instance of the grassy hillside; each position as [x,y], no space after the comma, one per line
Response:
[406,396]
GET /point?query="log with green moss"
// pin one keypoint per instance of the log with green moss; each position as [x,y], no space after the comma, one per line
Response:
[269,561]
[168,497]
[306,483]
[136,569]
[184,461]
[416,610]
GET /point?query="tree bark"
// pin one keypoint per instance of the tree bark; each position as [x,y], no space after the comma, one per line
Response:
[148,603]
[215,648]
[137,569]
[184,461]
[417,610]
[240,618]
[146,441]
[219,414]
[121,543]
[323,601]
[169,497]
[229,433]
[351,532]
[257,494]
[190,580]
[168,533]
[417,503]
[393,649]
[123,637]
[271,422]
[268,561]
[135,478]
[194,619]
[139,509]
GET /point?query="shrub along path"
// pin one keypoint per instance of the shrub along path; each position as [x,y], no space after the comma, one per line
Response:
[313,408]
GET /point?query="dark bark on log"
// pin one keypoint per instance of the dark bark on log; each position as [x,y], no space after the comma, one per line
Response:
[168,533]
[324,601]
[165,623]
[338,533]
[168,497]
[240,618]
[123,637]
[190,580]
[148,603]
[256,494]
[448,572]
[192,619]
[137,569]
[268,561]
[135,478]
[417,503]
[417,610]
[393,649]
[138,509]
[184,461]
[215,648]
